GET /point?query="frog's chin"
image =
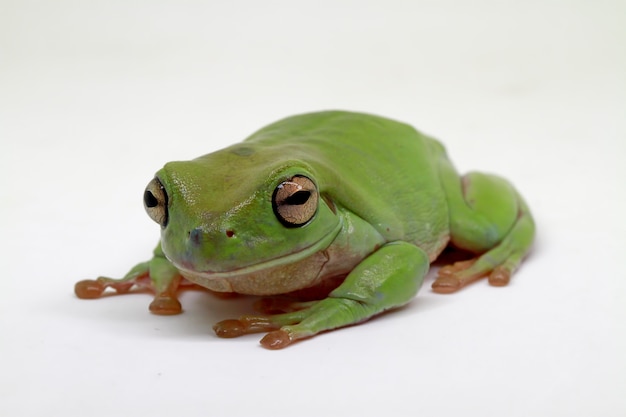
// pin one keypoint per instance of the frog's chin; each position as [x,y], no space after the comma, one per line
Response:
[297,269]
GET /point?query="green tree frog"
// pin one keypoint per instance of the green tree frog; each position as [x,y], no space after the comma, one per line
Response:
[348,206]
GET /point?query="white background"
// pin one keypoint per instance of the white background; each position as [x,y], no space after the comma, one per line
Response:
[95,96]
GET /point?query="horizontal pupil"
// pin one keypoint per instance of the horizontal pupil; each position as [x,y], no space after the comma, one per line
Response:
[150,199]
[298,198]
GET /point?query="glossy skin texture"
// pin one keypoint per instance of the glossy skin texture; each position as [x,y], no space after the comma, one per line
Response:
[353,207]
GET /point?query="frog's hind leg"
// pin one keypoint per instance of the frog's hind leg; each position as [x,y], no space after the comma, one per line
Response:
[489,218]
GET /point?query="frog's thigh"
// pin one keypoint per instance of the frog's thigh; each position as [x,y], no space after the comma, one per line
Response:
[483,208]
[388,278]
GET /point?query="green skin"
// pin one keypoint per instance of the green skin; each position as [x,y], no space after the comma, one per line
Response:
[382,202]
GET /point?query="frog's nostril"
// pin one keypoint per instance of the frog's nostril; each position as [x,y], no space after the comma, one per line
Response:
[195,236]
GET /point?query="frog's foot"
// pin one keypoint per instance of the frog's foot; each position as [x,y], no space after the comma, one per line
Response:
[245,325]
[164,303]
[498,264]
[453,277]
[279,336]
[158,276]
[447,280]
[89,289]
[388,278]
[284,329]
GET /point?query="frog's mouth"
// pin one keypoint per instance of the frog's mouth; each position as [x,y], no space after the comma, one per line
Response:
[299,268]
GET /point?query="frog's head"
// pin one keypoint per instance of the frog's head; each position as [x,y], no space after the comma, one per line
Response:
[240,209]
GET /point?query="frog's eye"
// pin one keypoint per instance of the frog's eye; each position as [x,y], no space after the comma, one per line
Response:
[155,202]
[295,201]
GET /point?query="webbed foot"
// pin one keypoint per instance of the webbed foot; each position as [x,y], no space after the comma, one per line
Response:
[277,338]
[452,278]
[90,289]
[157,275]
[244,325]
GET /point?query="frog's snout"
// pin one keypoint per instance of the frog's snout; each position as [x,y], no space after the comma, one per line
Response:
[197,236]
[155,202]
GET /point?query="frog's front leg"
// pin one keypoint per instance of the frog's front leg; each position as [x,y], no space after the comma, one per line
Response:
[157,275]
[388,278]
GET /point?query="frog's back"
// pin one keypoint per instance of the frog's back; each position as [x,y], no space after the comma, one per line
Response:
[382,170]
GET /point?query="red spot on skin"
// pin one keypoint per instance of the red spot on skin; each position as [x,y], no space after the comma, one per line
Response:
[230,233]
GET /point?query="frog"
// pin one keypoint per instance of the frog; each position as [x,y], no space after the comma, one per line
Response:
[330,218]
